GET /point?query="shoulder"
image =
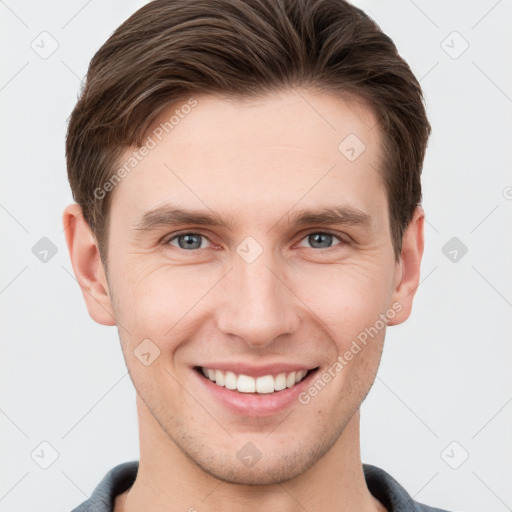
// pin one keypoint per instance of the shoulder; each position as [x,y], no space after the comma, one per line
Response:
[390,493]
[115,482]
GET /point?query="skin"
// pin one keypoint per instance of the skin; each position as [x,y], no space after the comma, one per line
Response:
[252,161]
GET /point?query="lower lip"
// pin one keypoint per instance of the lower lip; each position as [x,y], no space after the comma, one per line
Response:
[256,404]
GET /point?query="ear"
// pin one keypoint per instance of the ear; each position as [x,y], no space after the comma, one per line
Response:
[407,273]
[87,265]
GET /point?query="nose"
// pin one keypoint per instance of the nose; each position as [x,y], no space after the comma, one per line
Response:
[257,304]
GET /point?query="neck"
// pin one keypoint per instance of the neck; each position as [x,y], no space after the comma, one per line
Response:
[168,480]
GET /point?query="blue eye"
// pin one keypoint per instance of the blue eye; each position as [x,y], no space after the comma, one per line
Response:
[321,239]
[188,241]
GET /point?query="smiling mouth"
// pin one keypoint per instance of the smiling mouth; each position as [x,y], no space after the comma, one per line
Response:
[266,384]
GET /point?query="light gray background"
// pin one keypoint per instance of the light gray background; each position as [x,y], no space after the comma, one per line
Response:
[445,375]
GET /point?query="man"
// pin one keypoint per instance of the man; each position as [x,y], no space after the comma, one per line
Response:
[247,186]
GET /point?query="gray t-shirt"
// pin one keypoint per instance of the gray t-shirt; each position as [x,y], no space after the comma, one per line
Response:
[381,485]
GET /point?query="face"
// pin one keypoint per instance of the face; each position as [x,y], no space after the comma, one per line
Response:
[268,289]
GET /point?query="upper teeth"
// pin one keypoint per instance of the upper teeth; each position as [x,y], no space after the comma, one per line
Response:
[248,384]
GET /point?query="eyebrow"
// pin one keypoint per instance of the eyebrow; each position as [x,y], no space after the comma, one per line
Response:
[169,215]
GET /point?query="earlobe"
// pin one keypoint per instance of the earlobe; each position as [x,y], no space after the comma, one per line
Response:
[408,268]
[87,265]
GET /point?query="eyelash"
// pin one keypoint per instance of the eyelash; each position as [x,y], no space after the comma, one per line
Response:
[337,235]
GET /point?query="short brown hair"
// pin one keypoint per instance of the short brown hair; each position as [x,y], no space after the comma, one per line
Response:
[171,49]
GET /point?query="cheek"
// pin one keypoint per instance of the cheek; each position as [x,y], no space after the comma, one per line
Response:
[161,305]
[161,295]
[162,301]
[347,298]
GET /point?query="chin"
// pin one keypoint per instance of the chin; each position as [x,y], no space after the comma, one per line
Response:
[266,474]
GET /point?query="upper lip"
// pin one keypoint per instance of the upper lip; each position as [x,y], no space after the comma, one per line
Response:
[257,370]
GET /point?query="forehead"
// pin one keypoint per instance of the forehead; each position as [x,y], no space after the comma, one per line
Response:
[261,155]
